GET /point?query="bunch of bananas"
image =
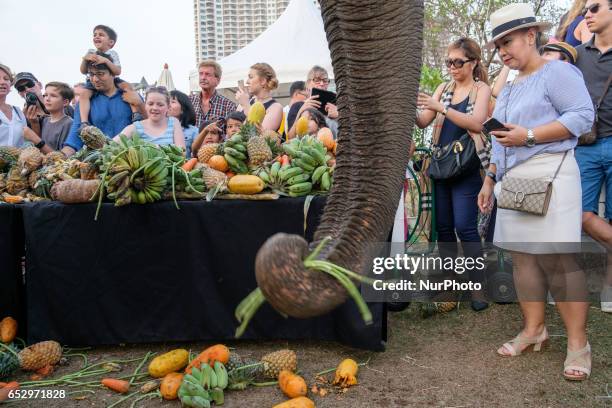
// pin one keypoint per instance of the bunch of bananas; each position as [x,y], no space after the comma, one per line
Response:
[235,153]
[181,183]
[203,386]
[134,171]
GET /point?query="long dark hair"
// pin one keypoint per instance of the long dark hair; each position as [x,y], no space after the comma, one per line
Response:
[317,117]
[188,116]
[472,51]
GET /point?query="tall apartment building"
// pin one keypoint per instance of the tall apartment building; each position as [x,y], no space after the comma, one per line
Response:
[222,27]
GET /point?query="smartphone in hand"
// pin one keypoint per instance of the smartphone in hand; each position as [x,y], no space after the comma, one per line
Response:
[493,124]
[241,84]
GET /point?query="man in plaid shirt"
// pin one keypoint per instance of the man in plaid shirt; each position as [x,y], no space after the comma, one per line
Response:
[209,106]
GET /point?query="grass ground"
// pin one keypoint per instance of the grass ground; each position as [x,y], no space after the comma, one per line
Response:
[444,361]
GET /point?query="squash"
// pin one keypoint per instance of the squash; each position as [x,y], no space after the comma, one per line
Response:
[326,137]
[292,385]
[218,352]
[170,385]
[299,402]
[346,373]
[12,199]
[8,329]
[218,162]
[245,184]
[168,363]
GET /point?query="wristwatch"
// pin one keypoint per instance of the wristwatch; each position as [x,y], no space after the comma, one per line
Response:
[530,138]
[444,111]
[491,175]
[40,144]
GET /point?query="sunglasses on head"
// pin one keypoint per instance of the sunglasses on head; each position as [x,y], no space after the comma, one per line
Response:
[24,85]
[457,63]
[593,8]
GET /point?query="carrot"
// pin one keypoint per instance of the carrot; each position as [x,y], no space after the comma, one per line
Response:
[3,384]
[4,391]
[190,164]
[284,160]
[46,370]
[120,386]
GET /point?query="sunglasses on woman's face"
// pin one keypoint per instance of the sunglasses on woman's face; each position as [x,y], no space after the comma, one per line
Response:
[593,8]
[457,63]
[25,85]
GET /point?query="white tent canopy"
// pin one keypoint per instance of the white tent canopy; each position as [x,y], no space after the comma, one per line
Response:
[292,45]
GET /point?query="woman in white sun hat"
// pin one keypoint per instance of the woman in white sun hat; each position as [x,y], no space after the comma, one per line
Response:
[545,109]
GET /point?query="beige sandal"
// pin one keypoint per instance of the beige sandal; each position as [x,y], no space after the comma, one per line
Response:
[579,360]
[533,343]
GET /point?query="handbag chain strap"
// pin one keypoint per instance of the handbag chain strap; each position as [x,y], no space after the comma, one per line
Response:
[506,120]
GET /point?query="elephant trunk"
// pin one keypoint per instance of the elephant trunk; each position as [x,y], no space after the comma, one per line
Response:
[376,54]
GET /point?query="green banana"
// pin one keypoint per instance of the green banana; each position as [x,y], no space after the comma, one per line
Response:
[117,177]
[191,388]
[205,375]
[289,172]
[217,396]
[235,139]
[304,187]
[316,175]
[304,165]
[200,402]
[240,147]
[290,150]
[176,150]
[300,178]
[274,169]
[264,176]
[142,199]
[213,379]
[222,377]
[326,181]
[235,153]
[118,168]
[316,154]
[306,158]
[132,158]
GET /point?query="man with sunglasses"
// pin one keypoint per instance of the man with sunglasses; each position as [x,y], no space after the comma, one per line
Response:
[26,82]
[111,108]
[595,160]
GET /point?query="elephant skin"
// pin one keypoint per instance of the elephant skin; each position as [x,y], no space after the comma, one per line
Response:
[376,55]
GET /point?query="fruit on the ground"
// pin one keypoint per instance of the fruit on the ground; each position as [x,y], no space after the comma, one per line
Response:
[170,385]
[326,137]
[29,160]
[218,352]
[219,163]
[346,373]
[278,361]
[150,386]
[8,327]
[245,184]
[299,402]
[301,126]
[39,355]
[292,385]
[120,386]
[168,362]
[257,112]
[207,151]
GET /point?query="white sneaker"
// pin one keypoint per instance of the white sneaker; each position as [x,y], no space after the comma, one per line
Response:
[606,299]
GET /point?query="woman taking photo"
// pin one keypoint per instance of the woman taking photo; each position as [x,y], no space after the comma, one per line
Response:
[260,83]
[158,128]
[459,106]
[544,110]
[182,109]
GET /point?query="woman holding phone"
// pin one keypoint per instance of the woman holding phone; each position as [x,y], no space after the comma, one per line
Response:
[545,109]
[459,106]
[260,83]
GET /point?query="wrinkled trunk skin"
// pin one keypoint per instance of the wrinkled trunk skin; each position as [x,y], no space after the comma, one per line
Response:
[376,54]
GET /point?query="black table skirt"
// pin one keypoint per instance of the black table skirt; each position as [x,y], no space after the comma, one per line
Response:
[11,251]
[154,274]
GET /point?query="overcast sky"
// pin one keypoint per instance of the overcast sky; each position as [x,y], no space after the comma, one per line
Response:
[49,37]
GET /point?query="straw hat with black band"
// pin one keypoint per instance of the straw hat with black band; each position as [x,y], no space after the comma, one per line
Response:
[564,48]
[513,17]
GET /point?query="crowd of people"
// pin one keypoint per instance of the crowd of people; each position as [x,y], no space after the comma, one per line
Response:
[52,117]
[559,96]
[558,93]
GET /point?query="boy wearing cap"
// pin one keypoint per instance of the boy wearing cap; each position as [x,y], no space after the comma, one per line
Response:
[559,51]
[595,160]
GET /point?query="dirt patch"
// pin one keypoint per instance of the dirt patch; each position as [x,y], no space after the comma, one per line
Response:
[445,361]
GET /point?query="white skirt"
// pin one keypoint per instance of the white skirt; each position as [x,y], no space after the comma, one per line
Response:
[559,230]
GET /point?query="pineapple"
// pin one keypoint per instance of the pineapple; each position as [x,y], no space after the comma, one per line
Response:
[53,157]
[207,151]
[258,150]
[2,182]
[277,361]
[39,355]
[240,378]
[16,182]
[9,360]
[8,156]
[29,160]
[93,137]
[213,178]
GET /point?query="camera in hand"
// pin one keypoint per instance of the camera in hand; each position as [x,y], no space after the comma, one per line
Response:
[32,100]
